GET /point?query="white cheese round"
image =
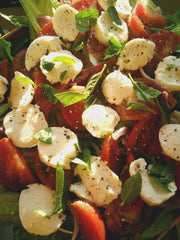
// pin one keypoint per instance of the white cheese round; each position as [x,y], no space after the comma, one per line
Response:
[3,87]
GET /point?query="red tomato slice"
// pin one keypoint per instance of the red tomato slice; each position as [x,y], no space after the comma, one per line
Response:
[149,17]
[19,62]
[111,153]
[5,69]
[137,27]
[83,4]
[47,30]
[89,219]
[14,170]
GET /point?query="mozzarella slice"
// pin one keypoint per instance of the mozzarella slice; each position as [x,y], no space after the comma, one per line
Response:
[64,22]
[102,184]
[21,125]
[3,87]
[136,53]
[117,87]
[168,73]
[169,137]
[100,120]
[39,47]
[61,72]
[61,150]
[105,29]
[39,198]
[21,93]
[122,6]
[151,192]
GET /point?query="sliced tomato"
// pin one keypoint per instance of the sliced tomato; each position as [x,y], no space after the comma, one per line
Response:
[137,27]
[112,154]
[19,62]
[151,18]
[127,219]
[14,170]
[166,42]
[83,4]
[89,219]
[5,69]
[47,30]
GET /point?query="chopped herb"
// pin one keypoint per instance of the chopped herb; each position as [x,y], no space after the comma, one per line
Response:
[169,66]
[85,19]
[48,66]
[44,135]
[63,75]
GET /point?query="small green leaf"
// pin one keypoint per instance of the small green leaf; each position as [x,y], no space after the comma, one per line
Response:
[84,158]
[63,75]
[89,101]
[131,188]
[26,80]
[49,93]
[4,107]
[85,19]
[69,98]
[64,59]
[78,45]
[44,135]
[139,106]
[144,92]
[114,48]
[55,3]
[48,66]
[112,12]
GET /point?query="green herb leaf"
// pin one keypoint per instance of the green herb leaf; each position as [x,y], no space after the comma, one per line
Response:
[26,80]
[69,98]
[44,135]
[131,188]
[78,45]
[112,12]
[55,3]
[4,107]
[63,75]
[139,106]
[5,52]
[48,66]
[89,101]
[165,113]
[64,59]
[84,158]
[49,93]
[114,48]
[93,81]
[144,92]
[85,19]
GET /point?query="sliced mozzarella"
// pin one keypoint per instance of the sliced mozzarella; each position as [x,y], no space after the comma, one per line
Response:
[168,73]
[21,125]
[100,120]
[21,93]
[61,150]
[61,72]
[169,137]
[151,192]
[105,29]
[39,198]
[136,53]
[117,87]
[122,6]
[64,22]
[39,47]
[102,184]
[3,87]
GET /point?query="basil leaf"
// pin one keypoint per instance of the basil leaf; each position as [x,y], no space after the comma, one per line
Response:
[63,75]
[49,93]
[48,66]
[4,107]
[93,81]
[26,80]
[85,19]
[89,101]
[159,225]
[131,188]
[157,180]
[64,59]
[112,12]
[164,112]
[5,52]
[69,98]
[84,159]
[78,45]
[144,92]
[55,3]
[114,48]
[139,106]
[44,135]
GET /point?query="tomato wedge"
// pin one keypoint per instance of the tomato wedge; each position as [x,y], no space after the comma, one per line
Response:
[89,219]
[14,170]
[137,27]
[47,30]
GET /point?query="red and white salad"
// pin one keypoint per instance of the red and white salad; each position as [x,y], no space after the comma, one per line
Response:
[90,121]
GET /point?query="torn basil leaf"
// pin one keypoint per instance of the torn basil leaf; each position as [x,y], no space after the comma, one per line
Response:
[48,66]
[4,107]
[114,48]
[112,12]
[49,93]
[44,135]
[63,75]
[69,98]
[139,106]
[78,45]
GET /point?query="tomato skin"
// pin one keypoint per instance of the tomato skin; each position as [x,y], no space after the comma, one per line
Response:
[14,170]
[89,219]
[47,30]
[149,17]
[137,27]
[111,153]
[5,69]
[83,4]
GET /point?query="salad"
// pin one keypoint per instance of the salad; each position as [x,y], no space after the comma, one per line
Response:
[90,121]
